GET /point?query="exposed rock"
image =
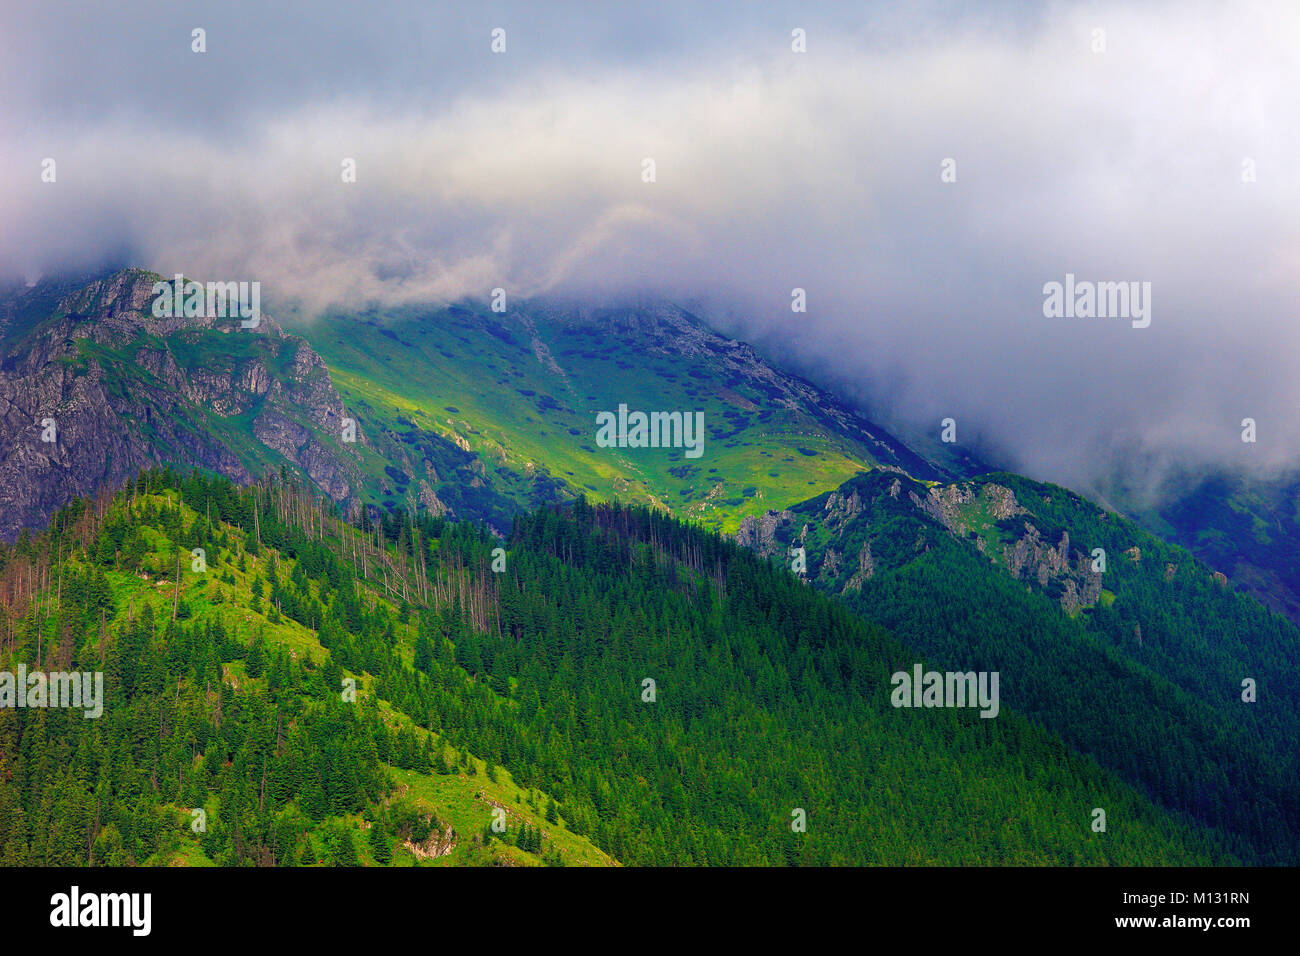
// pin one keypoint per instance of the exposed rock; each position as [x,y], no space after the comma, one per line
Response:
[438,843]
[943,504]
[759,534]
[839,510]
[1070,600]
[431,501]
[830,564]
[866,568]
[114,381]
[947,503]
[1001,501]
[1032,554]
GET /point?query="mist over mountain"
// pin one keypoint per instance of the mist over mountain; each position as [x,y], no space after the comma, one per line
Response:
[1158,150]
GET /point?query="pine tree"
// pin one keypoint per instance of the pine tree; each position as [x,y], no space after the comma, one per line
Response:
[380,845]
[423,654]
[345,851]
[255,662]
[440,762]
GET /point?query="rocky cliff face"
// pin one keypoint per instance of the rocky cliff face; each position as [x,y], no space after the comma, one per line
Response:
[839,530]
[758,534]
[98,387]
[991,517]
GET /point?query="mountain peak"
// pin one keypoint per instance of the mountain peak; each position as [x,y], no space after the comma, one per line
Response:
[94,386]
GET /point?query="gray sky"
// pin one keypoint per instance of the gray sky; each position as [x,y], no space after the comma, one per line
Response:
[774,170]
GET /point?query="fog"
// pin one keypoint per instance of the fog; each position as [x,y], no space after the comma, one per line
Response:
[1169,157]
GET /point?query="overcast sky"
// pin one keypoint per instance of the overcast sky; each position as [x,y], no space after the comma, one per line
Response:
[774,169]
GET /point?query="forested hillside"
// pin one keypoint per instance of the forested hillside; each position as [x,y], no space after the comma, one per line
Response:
[487,680]
[1129,648]
[221,697]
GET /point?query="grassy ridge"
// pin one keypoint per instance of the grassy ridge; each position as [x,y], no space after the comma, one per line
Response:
[524,400]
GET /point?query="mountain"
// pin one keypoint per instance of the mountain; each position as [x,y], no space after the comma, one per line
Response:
[1131,649]
[94,387]
[1247,527]
[458,410]
[1134,674]
[622,686]
[521,390]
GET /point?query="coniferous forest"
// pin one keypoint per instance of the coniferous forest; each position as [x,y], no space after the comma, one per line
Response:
[606,684]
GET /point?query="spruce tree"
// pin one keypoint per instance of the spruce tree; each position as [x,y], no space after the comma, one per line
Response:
[380,845]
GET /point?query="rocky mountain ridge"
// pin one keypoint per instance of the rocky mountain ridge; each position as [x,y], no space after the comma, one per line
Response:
[101,387]
[985,515]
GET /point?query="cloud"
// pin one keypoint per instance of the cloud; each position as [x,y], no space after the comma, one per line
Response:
[773,170]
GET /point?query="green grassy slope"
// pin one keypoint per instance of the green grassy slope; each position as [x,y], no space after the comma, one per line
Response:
[522,394]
